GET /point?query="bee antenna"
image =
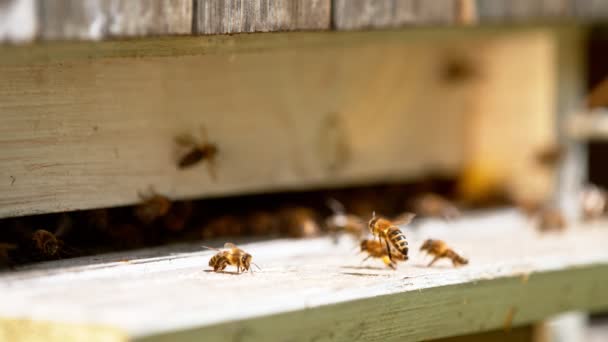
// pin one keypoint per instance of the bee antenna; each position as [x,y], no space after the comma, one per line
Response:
[213,248]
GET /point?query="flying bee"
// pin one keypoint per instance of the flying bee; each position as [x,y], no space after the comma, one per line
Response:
[375,249]
[389,231]
[152,207]
[440,249]
[342,222]
[198,150]
[434,205]
[232,256]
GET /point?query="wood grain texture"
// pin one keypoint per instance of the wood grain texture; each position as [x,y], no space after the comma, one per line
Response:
[541,11]
[233,16]
[83,126]
[98,19]
[314,289]
[358,14]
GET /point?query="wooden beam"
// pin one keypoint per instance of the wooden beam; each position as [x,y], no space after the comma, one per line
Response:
[311,289]
[288,111]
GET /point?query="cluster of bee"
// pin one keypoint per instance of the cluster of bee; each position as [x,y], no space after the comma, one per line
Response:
[388,242]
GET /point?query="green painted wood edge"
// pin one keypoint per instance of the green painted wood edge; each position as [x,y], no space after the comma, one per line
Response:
[427,314]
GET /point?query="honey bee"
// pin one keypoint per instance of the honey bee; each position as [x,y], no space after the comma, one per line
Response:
[232,256]
[551,219]
[390,233]
[434,205]
[375,249]
[199,150]
[152,207]
[342,222]
[46,243]
[593,202]
[440,249]
[299,222]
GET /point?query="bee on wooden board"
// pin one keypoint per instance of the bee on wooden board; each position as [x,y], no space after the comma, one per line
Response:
[375,249]
[197,151]
[231,256]
[440,249]
[152,207]
[341,222]
[389,231]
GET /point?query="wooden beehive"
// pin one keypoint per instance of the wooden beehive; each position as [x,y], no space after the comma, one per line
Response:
[93,94]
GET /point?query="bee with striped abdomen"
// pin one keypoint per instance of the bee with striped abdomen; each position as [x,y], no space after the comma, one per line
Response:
[375,249]
[389,231]
[232,256]
[440,249]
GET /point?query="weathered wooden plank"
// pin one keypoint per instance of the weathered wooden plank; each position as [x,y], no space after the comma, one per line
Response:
[233,16]
[18,20]
[357,14]
[340,120]
[541,11]
[311,289]
[97,19]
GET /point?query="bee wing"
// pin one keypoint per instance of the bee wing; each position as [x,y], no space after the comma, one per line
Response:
[204,137]
[212,168]
[185,140]
[335,206]
[404,219]
[230,245]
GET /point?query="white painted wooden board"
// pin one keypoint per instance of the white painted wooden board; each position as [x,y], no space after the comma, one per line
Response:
[314,289]
[86,125]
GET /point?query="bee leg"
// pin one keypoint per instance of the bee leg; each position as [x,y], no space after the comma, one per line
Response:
[367,257]
[388,249]
[433,261]
[388,262]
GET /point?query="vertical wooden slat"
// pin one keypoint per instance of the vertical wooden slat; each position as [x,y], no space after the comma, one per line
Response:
[96,19]
[357,14]
[233,16]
